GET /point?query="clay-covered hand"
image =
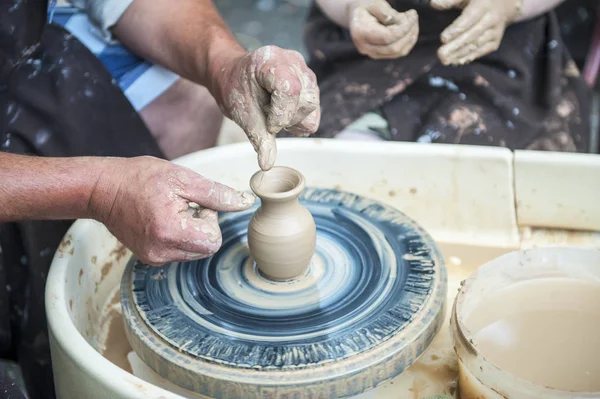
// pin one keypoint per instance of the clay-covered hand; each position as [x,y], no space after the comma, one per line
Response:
[162,212]
[379,31]
[267,90]
[479,29]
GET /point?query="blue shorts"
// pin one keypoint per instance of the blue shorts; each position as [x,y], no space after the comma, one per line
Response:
[140,80]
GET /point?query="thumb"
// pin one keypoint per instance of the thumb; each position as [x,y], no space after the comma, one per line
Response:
[446,4]
[384,12]
[218,197]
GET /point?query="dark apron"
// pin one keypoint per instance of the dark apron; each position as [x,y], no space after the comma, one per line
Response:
[56,99]
[528,94]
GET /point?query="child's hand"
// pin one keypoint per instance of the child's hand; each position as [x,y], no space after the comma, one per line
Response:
[478,31]
[379,31]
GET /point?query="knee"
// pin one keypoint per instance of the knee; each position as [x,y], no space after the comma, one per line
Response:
[183,119]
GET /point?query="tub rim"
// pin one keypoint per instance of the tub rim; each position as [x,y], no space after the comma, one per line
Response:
[72,341]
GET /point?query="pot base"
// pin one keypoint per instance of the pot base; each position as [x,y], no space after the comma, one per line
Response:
[370,303]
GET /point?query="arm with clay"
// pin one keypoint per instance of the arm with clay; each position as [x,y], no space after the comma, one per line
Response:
[378,30]
[263,91]
[143,201]
[480,28]
[46,188]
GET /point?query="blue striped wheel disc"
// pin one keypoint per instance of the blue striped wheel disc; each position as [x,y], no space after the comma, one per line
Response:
[371,301]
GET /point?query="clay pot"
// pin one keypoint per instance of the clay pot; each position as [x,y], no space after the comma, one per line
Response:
[281,233]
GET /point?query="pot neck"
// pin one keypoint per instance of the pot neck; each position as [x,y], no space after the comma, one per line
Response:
[279,205]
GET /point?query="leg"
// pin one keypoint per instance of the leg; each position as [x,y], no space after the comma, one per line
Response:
[183,119]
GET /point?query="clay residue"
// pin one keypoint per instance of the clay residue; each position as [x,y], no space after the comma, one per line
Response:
[92,313]
[466,121]
[398,88]
[571,70]
[117,346]
[556,134]
[565,108]
[481,81]
[434,375]
[159,275]
[357,88]
[119,252]
[114,257]
[66,246]
[114,344]
[105,270]
[536,237]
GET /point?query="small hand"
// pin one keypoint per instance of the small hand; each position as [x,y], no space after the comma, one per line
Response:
[267,90]
[163,212]
[379,31]
[478,31]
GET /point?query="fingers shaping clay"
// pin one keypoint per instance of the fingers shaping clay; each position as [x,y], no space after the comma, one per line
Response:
[282,233]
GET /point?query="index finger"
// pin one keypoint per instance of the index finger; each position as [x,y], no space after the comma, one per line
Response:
[469,17]
[252,119]
[216,196]
[448,51]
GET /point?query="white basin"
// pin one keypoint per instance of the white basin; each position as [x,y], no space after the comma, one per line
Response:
[464,196]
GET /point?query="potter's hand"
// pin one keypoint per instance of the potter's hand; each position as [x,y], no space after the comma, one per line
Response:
[479,29]
[378,31]
[267,90]
[145,203]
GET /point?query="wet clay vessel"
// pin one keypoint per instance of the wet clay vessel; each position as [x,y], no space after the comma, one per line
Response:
[369,304]
[282,233]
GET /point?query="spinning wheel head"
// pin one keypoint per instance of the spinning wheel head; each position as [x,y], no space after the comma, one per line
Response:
[369,304]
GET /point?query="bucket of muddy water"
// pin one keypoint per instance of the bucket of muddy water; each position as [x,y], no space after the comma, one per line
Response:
[527,326]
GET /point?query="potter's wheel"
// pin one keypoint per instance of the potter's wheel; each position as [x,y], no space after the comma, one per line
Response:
[370,303]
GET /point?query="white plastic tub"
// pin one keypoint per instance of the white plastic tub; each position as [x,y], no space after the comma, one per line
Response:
[551,280]
[466,197]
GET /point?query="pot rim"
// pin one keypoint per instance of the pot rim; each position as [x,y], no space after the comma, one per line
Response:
[258,177]
[466,348]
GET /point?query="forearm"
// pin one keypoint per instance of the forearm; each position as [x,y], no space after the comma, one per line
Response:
[188,37]
[336,10]
[36,188]
[535,8]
